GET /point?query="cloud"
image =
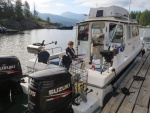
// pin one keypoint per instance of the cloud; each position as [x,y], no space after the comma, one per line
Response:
[60,4]
[38,2]
[135,4]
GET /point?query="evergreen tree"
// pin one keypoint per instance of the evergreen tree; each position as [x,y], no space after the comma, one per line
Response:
[11,11]
[133,15]
[18,10]
[48,20]
[35,13]
[27,12]
[145,18]
[138,14]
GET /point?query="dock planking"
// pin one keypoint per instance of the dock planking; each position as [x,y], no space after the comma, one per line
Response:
[129,104]
[12,31]
[139,109]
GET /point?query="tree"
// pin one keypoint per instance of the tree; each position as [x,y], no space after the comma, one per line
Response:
[145,18]
[133,15]
[27,12]
[48,20]
[138,14]
[18,10]
[35,13]
[11,11]
[6,9]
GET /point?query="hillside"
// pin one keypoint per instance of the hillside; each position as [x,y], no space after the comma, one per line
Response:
[79,17]
[66,19]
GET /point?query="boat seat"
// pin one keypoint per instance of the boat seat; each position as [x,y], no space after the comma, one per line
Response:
[55,61]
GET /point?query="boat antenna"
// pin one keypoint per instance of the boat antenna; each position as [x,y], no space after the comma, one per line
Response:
[34,11]
[129,11]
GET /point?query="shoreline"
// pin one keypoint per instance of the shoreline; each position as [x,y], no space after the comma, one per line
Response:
[26,24]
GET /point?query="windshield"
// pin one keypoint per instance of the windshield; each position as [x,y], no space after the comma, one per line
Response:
[98,28]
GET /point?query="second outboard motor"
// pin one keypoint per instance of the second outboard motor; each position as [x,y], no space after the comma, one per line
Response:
[50,91]
[10,74]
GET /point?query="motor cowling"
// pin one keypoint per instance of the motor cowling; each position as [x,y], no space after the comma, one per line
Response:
[10,74]
[50,91]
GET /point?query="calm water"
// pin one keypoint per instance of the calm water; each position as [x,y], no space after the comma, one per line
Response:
[17,45]
[145,32]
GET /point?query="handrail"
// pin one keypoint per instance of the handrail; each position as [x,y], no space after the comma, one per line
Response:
[54,48]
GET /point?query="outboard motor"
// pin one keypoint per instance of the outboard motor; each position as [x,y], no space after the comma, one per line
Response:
[10,74]
[50,91]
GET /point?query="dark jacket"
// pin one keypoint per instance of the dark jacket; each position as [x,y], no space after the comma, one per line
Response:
[43,57]
[70,52]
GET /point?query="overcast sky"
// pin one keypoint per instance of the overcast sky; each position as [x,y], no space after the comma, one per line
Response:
[83,6]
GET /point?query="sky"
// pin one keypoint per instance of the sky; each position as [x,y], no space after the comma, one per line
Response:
[83,6]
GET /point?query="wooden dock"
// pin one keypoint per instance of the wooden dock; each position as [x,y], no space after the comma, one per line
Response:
[139,99]
[12,31]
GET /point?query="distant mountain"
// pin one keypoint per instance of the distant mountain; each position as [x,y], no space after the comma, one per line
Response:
[66,19]
[79,17]
[58,19]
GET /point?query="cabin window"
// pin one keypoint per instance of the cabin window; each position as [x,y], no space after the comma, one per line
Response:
[98,29]
[129,31]
[83,31]
[116,33]
[135,31]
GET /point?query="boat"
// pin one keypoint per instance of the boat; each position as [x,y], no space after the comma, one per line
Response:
[3,30]
[146,43]
[65,27]
[108,40]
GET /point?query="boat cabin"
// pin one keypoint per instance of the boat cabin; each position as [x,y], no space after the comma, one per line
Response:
[107,28]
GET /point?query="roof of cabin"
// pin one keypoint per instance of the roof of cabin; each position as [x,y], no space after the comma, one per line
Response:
[111,19]
[112,14]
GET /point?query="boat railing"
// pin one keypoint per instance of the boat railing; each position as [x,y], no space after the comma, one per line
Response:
[52,49]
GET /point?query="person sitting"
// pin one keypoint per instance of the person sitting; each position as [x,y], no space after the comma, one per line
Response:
[43,56]
[70,51]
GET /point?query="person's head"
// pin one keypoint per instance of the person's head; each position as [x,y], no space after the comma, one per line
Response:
[40,49]
[70,44]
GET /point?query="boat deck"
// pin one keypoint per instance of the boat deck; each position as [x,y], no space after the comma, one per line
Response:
[139,99]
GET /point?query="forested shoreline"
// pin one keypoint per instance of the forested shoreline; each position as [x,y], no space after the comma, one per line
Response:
[10,9]
[14,14]
[143,18]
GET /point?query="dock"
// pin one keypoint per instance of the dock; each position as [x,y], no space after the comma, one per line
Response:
[12,31]
[139,99]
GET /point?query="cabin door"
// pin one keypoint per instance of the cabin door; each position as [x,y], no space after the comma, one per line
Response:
[116,34]
[83,40]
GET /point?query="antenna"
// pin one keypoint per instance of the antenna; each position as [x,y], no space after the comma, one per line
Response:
[34,9]
[129,10]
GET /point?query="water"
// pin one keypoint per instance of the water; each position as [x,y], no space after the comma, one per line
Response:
[17,45]
[145,32]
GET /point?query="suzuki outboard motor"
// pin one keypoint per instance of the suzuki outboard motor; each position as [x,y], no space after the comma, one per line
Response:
[50,91]
[10,74]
